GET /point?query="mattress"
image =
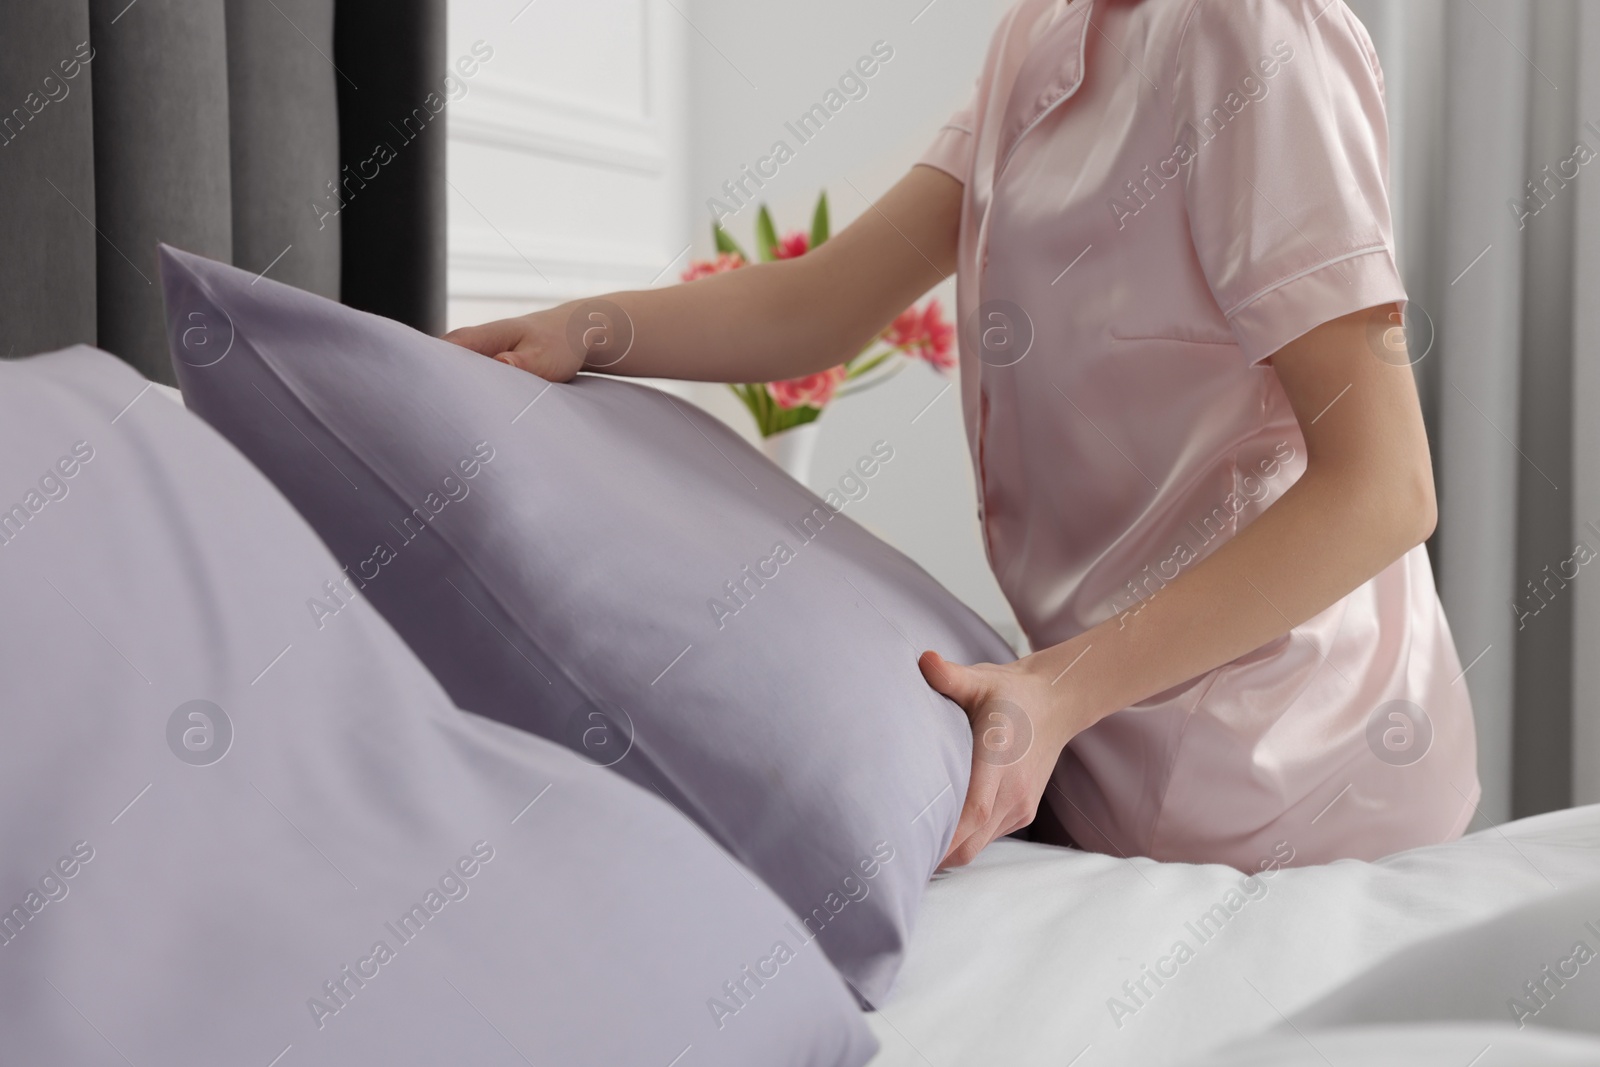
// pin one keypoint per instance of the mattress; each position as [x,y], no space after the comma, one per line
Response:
[1042,955]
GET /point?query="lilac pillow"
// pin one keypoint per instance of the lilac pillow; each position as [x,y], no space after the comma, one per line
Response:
[605,565]
[230,836]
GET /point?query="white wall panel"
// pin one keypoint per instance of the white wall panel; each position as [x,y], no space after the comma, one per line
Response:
[568,153]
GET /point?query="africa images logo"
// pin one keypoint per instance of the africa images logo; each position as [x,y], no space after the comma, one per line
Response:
[199,733]
[1399,733]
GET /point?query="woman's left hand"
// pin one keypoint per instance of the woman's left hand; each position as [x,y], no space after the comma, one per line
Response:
[1020,724]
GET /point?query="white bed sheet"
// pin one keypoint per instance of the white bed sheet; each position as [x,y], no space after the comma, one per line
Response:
[1427,1045]
[1021,959]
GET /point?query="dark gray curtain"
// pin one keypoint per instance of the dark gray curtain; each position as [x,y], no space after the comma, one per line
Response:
[47,239]
[213,125]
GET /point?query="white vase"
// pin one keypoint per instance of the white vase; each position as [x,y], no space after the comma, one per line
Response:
[792,449]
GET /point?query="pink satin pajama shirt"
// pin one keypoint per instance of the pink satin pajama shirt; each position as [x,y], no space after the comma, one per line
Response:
[1160,194]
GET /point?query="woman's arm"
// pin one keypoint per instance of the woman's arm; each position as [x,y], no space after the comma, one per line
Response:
[765,322]
[1365,499]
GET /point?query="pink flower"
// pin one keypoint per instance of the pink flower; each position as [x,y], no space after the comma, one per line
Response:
[814,390]
[792,246]
[925,335]
[704,268]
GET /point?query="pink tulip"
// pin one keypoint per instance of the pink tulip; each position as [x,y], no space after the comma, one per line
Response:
[704,268]
[925,335]
[813,390]
[792,246]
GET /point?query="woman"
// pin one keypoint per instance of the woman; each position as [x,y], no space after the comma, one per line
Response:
[1204,481]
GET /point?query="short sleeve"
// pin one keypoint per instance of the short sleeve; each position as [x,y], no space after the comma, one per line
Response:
[951,150]
[1280,129]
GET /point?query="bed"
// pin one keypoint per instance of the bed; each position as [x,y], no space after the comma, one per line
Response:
[1022,958]
[1484,951]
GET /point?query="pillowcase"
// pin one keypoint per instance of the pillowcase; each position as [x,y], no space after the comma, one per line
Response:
[602,564]
[229,836]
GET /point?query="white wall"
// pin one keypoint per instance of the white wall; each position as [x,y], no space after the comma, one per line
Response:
[567,156]
[591,142]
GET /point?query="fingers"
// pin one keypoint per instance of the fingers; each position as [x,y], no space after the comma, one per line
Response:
[995,806]
[522,358]
[516,343]
[979,820]
[959,683]
[1004,788]
[1022,819]
[965,849]
[489,339]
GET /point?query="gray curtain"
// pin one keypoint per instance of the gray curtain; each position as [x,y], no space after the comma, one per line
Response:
[47,243]
[205,124]
[213,125]
[1502,261]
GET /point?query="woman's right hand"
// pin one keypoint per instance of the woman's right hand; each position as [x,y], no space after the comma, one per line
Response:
[536,342]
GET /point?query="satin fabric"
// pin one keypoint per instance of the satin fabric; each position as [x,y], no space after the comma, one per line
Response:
[1159,194]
